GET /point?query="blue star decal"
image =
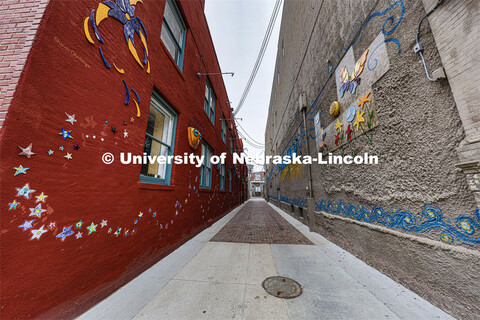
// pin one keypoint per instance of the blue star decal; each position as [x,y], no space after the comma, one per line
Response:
[26,225]
[60,148]
[20,169]
[13,205]
[24,191]
[65,233]
[65,134]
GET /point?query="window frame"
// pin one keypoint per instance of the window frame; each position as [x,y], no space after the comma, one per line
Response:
[208,85]
[222,177]
[224,130]
[230,182]
[179,18]
[169,167]
[204,165]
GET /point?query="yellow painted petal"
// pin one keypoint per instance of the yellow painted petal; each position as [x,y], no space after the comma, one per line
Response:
[148,66]
[134,52]
[85,29]
[138,108]
[134,2]
[121,71]
[102,13]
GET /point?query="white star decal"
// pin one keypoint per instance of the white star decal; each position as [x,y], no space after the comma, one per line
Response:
[68,156]
[125,133]
[26,151]
[71,118]
[37,233]
[37,211]
[103,223]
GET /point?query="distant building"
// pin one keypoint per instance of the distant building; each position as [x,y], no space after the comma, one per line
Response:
[257,184]
[349,80]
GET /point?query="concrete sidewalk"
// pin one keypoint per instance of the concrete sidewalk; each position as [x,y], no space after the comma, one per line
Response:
[222,280]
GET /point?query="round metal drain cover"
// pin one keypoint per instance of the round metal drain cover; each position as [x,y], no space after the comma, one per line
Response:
[282,287]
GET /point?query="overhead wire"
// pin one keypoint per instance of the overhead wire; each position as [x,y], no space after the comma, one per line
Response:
[245,132]
[263,48]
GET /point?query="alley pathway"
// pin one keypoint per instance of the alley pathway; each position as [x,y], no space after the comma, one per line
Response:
[218,275]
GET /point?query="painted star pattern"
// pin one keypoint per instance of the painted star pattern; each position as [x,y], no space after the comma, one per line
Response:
[92,228]
[24,191]
[37,233]
[103,223]
[117,233]
[79,224]
[50,152]
[66,232]
[68,156]
[76,147]
[71,118]
[19,170]
[52,225]
[78,235]
[41,197]
[26,225]
[26,151]
[60,148]
[65,134]
[125,133]
[37,211]
[13,205]
[132,119]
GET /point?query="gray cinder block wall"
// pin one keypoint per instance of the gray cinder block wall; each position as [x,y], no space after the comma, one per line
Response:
[414,216]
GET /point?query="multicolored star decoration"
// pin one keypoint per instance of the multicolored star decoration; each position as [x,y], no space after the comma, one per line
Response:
[66,134]
[19,170]
[37,211]
[27,151]
[92,228]
[13,205]
[41,197]
[68,156]
[37,233]
[117,233]
[78,235]
[24,191]
[103,223]
[76,147]
[66,232]
[52,225]
[26,225]
[79,224]
[50,152]
[60,148]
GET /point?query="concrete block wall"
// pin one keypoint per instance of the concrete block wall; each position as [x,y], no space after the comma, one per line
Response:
[18,27]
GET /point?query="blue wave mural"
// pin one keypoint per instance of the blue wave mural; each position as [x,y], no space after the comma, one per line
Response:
[429,220]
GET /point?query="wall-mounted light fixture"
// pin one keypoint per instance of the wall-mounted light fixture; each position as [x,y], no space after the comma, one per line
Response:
[209,74]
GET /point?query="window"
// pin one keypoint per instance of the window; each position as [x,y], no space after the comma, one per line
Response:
[159,140]
[231,145]
[229,179]
[224,130]
[210,102]
[206,168]
[222,176]
[173,32]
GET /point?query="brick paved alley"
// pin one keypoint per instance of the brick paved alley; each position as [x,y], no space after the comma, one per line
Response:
[219,274]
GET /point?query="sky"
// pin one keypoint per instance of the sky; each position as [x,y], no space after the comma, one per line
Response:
[238,28]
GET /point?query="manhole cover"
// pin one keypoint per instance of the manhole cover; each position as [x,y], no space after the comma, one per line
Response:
[282,287]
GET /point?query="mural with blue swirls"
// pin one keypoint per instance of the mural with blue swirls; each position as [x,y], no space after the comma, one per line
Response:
[429,220]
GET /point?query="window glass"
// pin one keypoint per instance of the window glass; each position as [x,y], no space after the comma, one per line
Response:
[173,32]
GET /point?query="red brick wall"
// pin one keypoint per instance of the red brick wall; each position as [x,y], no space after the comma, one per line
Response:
[18,26]
[54,279]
